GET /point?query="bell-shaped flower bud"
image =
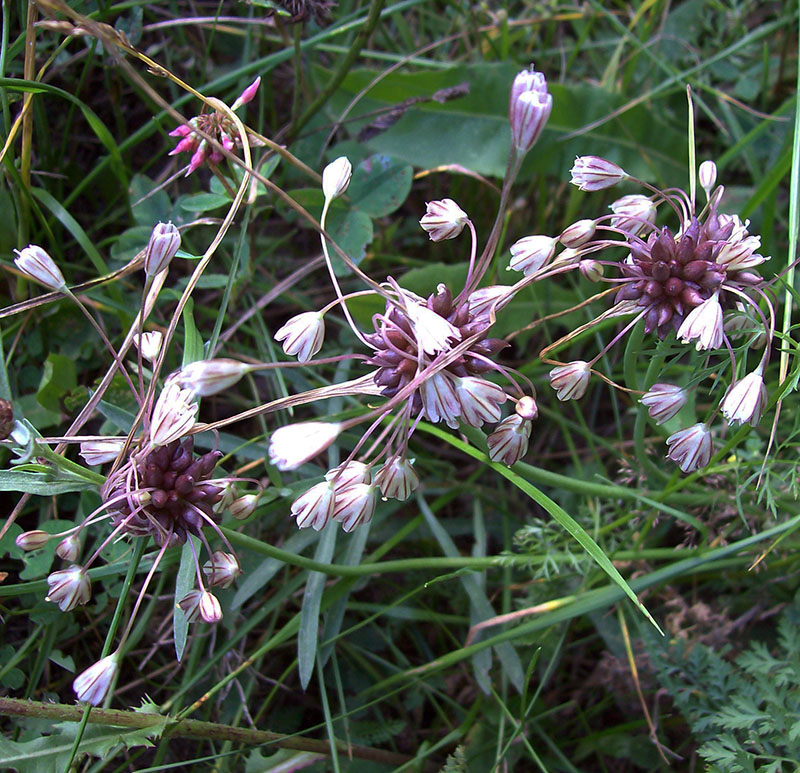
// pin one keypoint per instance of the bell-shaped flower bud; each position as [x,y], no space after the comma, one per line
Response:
[509,441]
[397,479]
[101,451]
[336,177]
[243,507]
[663,401]
[35,263]
[746,399]
[633,213]
[314,508]
[577,234]
[92,685]
[439,399]
[571,380]
[149,344]
[69,548]
[174,414]
[247,95]
[161,249]
[592,173]
[690,447]
[221,570]
[69,588]
[708,176]
[294,444]
[480,400]
[443,219]
[529,108]
[207,377]
[703,324]
[354,505]
[33,540]
[348,474]
[302,335]
[201,603]
[531,253]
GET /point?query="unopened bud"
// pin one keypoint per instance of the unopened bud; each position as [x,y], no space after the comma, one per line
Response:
[222,570]
[591,269]
[247,95]
[207,377]
[708,176]
[161,249]
[577,234]
[32,540]
[526,408]
[592,173]
[243,507]
[149,344]
[100,451]
[528,109]
[336,177]
[69,548]
[34,262]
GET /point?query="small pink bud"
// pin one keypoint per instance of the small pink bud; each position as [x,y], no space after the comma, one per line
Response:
[248,94]
[526,408]
[443,219]
[186,145]
[184,130]
[198,157]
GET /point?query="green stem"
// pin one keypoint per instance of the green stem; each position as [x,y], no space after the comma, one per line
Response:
[343,68]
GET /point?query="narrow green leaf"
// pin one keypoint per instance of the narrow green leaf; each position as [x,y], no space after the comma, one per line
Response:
[184,582]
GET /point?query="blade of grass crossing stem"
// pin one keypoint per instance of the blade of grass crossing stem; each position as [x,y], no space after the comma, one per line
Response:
[334,618]
[566,521]
[481,661]
[307,635]
[184,582]
[506,652]
[326,710]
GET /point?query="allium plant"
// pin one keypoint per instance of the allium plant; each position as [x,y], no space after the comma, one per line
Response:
[684,282]
[432,358]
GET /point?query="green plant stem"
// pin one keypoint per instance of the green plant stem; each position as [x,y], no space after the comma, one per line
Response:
[191,728]
[373,17]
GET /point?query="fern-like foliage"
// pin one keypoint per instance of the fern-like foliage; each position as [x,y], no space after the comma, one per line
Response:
[744,714]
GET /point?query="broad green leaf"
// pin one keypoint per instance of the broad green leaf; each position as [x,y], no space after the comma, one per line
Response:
[380,185]
[352,231]
[204,202]
[148,205]
[59,377]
